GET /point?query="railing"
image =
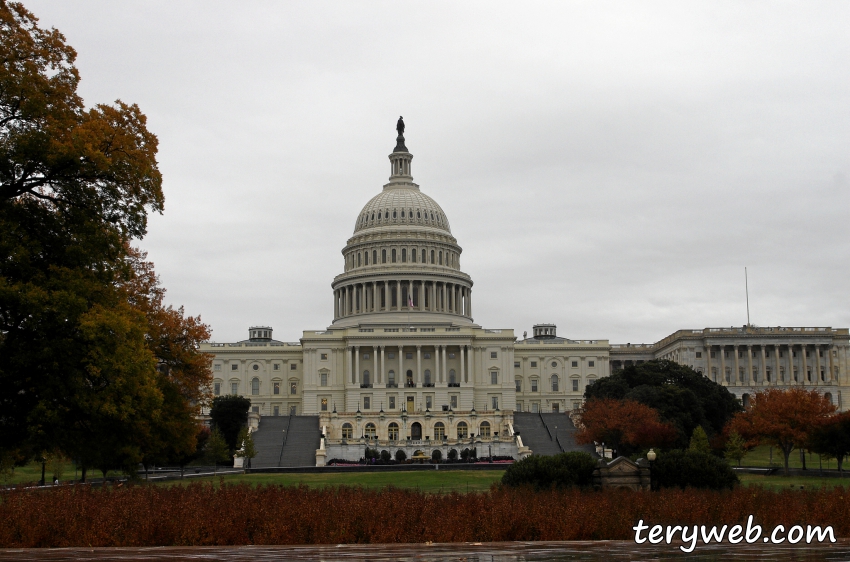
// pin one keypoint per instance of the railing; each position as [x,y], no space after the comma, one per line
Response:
[454,385]
[558,441]
[544,425]
[410,385]
[392,385]
[285,435]
[366,385]
[427,385]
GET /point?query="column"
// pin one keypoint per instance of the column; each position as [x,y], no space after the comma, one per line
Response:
[737,366]
[348,365]
[433,307]
[418,364]
[462,363]
[402,375]
[436,363]
[776,363]
[791,363]
[803,349]
[445,370]
[469,298]
[421,296]
[817,364]
[831,376]
[763,365]
[386,296]
[445,300]
[357,364]
[707,361]
[383,372]
[749,364]
[336,304]
[723,364]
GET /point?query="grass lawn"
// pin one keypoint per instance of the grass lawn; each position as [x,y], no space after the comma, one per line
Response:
[426,480]
[31,473]
[782,482]
[760,456]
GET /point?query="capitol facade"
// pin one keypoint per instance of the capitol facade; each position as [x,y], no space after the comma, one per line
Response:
[403,365]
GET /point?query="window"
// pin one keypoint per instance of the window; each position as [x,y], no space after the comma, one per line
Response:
[590,363]
[217,389]
[554,363]
[516,364]
[535,407]
[323,379]
[367,403]
[712,355]
[494,402]
[324,356]
[392,431]
[493,355]
[255,409]
[293,388]
[408,356]
[462,430]
[575,385]
[276,411]
[393,254]
[427,356]
[554,383]
[255,367]
[453,401]
[432,256]
[383,256]
[365,356]
[440,258]
[276,387]
[699,354]
[391,378]
[427,377]
[374,256]
[494,377]
[404,255]
[429,402]
[347,431]
[439,431]
[423,256]
[366,378]
[533,385]
[365,258]
[534,363]
[392,402]
[391,355]
[234,367]
[451,355]
[575,363]
[277,366]
[484,429]
[234,388]
[370,430]
[413,255]
[518,384]
[292,366]
[218,367]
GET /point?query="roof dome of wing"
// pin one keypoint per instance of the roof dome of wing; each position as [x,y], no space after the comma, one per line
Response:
[402,207]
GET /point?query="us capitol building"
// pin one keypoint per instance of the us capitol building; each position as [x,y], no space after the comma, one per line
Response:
[404,362]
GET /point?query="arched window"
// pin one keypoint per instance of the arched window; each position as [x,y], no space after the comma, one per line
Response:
[439,431]
[347,431]
[440,258]
[432,256]
[373,215]
[462,430]
[394,214]
[366,377]
[554,383]
[370,430]
[404,255]
[410,378]
[418,215]
[386,214]
[383,256]
[358,259]
[392,431]
[828,396]
[393,258]
[452,377]
[391,378]
[365,258]
[427,376]
[423,256]
[255,386]
[402,213]
[484,429]
[413,255]
[745,400]
[374,256]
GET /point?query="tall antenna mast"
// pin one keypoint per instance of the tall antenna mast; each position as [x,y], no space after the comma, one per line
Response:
[747,288]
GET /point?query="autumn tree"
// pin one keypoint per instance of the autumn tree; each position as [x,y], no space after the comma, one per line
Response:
[832,438]
[624,425]
[784,418]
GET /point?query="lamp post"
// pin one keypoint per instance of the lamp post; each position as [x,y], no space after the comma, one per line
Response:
[650,456]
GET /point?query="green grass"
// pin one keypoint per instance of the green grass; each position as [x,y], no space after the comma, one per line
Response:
[760,456]
[427,480]
[31,473]
[782,482]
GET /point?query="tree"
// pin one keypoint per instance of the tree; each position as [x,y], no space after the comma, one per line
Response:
[832,438]
[693,469]
[736,447]
[216,450]
[699,441]
[245,444]
[563,470]
[784,418]
[400,456]
[624,425]
[683,397]
[229,415]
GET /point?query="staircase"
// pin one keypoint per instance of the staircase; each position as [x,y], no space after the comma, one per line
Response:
[548,434]
[268,440]
[302,439]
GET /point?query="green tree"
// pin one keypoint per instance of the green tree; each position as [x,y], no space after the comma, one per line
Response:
[216,450]
[693,469]
[563,470]
[229,414]
[832,438]
[245,446]
[682,396]
[699,441]
[736,447]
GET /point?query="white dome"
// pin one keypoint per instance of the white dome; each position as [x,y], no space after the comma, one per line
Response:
[402,206]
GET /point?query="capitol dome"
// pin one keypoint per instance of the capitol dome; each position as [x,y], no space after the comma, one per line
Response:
[402,264]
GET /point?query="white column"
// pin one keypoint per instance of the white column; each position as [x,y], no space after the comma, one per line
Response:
[445,370]
[401,372]
[817,364]
[750,365]
[737,366]
[763,365]
[421,295]
[357,364]
[383,372]
[831,377]
[419,364]
[436,363]
[803,349]
[469,300]
[462,363]
[398,295]
[348,367]
[776,364]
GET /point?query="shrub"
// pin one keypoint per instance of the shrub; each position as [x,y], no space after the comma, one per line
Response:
[400,455]
[437,455]
[693,469]
[543,472]
[453,454]
[385,456]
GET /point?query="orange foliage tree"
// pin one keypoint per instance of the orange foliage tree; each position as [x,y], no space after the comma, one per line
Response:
[625,425]
[784,418]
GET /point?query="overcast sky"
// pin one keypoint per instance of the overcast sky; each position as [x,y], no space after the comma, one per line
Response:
[609,167]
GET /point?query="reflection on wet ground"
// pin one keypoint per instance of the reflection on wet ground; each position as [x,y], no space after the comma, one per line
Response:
[450,552]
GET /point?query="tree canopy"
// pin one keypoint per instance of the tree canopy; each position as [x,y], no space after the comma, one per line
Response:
[624,425]
[682,396]
[832,438]
[229,414]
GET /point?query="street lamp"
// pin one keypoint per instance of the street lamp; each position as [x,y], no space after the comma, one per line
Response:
[650,456]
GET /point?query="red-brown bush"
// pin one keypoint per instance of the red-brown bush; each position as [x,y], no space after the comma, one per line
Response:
[234,515]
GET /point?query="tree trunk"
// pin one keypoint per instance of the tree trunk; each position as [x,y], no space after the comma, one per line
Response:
[83,470]
[803,457]
[786,452]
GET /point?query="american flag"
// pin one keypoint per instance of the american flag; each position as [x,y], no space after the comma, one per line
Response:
[409,301]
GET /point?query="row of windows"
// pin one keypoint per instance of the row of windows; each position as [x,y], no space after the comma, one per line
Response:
[554,384]
[755,353]
[768,375]
[255,387]
[401,255]
[255,367]
[554,364]
[370,431]
[383,215]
